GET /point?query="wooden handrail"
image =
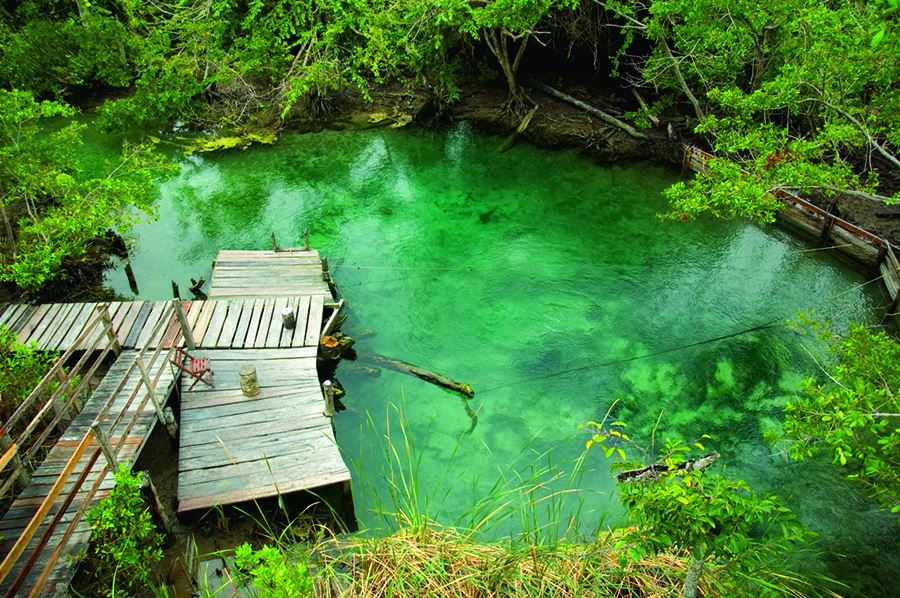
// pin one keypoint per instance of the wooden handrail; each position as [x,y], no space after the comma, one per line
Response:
[785,195]
[38,518]
[169,331]
[11,452]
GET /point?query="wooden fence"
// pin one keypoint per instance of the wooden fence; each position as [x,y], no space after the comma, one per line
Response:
[107,435]
[849,239]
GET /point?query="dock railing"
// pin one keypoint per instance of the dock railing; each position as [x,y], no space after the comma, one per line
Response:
[104,436]
[860,244]
[55,401]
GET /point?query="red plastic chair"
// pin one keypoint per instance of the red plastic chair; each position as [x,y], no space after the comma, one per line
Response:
[195,367]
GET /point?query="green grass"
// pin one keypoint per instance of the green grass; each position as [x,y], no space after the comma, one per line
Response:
[414,555]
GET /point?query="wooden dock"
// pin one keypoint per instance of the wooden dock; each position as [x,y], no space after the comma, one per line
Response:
[235,448]
[251,322]
[128,424]
[268,274]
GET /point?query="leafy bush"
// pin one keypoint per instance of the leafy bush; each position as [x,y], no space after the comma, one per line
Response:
[21,368]
[852,416]
[125,543]
[273,573]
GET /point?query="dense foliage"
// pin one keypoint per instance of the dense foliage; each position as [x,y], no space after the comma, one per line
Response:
[853,414]
[125,543]
[21,368]
[797,94]
[52,212]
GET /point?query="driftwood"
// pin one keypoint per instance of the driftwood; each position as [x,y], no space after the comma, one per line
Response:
[604,116]
[521,129]
[651,472]
[404,367]
[196,289]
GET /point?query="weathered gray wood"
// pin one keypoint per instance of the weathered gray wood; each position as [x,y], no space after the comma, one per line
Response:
[214,329]
[314,323]
[60,327]
[139,322]
[228,441]
[275,324]
[27,329]
[267,307]
[46,323]
[230,325]
[186,333]
[203,321]
[128,322]
[79,321]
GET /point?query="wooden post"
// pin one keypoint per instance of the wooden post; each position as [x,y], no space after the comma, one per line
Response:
[151,390]
[249,383]
[103,309]
[275,246]
[288,319]
[325,265]
[171,424]
[328,389]
[185,327]
[879,259]
[349,511]
[306,239]
[175,292]
[103,441]
[132,281]
[148,491]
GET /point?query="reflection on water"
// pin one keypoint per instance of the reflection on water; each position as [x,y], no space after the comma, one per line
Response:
[539,278]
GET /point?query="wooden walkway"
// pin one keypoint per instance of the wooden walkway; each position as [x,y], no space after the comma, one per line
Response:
[235,448]
[268,274]
[112,398]
[227,323]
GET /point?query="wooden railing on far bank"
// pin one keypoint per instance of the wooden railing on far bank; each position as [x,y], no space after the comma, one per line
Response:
[847,238]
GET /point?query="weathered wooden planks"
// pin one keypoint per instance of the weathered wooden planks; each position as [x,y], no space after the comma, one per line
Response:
[261,274]
[29,500]
[233,448]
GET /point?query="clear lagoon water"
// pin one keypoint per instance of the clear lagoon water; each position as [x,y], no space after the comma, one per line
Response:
[549,284]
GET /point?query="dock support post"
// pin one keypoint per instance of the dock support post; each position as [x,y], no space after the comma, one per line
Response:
[306,239]
[288,319]
[151,390]
[185,327]
[349,510]
[103,310]
[328,390]
[132,281]
[171,424]
[148,490]
[103,441]
[275,246]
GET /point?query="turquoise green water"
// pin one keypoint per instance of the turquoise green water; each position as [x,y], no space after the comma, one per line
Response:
[542,280]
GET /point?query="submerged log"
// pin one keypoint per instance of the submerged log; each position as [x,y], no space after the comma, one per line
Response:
[404,367]
[651,472]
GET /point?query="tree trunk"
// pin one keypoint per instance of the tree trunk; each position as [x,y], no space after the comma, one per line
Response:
[414,370]
[498,43]
[692,579]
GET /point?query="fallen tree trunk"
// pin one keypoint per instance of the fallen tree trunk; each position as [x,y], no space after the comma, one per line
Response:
[604,116]
[521,129]
[652,472]
[404,367]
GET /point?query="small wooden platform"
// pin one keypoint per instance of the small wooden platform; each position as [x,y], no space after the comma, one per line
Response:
[268,274]
[28,501]
[233,448]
